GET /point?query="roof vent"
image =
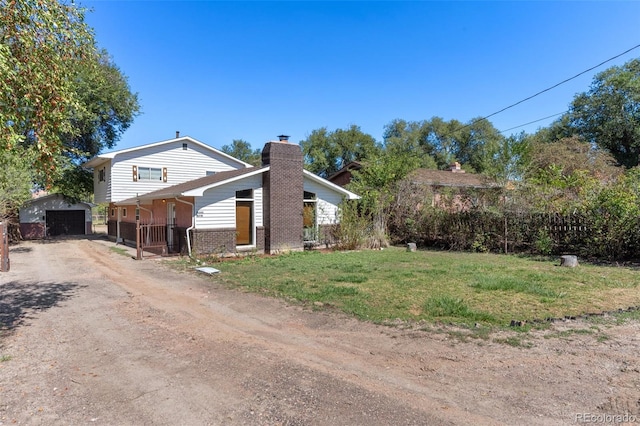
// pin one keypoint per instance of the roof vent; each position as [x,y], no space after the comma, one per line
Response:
[283,138]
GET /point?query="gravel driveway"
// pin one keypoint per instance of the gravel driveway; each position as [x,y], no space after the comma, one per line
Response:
[94,337]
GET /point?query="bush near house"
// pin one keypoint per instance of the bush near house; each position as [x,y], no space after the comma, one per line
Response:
[600,221]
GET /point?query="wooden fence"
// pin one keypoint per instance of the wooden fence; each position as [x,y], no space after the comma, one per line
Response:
[500,232]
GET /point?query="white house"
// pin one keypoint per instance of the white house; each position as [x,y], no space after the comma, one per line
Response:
[189,197]
[126,173]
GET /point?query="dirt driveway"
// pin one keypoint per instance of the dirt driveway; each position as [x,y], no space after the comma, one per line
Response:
[95,337]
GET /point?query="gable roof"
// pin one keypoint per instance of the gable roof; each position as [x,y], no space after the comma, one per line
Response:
[197,187]
[101,158]
[450,179]
[55,195]
[337,188]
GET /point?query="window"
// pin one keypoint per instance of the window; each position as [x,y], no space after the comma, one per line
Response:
[101,175]
[245,194]
[137,214]
[113,212]
[149,173]
[184,146]
[124,212]
[309,217]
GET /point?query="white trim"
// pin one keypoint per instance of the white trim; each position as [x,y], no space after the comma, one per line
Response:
[101,158]
[198,192]
[350,195]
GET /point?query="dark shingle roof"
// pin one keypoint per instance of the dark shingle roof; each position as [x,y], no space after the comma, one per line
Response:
[449,178]
[177,190]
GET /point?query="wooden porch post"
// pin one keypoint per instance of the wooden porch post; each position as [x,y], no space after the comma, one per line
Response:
[138,243]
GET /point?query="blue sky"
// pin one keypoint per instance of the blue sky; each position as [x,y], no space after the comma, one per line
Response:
[219,71]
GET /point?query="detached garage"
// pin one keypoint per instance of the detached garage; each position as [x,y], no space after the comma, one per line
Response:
[51,215]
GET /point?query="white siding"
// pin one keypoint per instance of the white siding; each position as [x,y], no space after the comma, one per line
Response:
[182,165]
[102,190]
[36,209]
[217,207]
[327,204]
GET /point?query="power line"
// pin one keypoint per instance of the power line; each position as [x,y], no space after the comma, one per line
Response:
[553,87]
[534,121]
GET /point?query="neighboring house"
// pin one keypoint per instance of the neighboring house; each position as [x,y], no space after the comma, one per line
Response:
[193,198]
[343,176]
[453,188]
[51,215]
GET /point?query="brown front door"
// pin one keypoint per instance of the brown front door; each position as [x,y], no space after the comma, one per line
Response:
[244,222]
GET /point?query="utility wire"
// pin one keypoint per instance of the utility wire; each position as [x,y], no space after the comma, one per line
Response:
[552,87]
[534,121]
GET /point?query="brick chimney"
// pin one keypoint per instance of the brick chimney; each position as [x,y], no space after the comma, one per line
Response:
[283,196]
[455,168]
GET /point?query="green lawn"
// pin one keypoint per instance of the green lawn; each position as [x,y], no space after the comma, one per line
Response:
[461,288]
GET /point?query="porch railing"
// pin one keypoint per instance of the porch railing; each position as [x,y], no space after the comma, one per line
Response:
[157,238]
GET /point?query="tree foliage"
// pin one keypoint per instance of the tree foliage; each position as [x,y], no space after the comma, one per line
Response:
[560,174]
[327,152]
[108,108]
[61,100]
[241,150]
[41,45]
[608,115]
[436,143]
[16,175]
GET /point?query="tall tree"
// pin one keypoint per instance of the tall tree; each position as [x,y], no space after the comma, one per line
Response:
[41,45]
[608,115]
[561,174]
[107,107]
[16,175]
[511,159]
[327,152]
[241,150]
[406,140]
[436,143]
[61,99]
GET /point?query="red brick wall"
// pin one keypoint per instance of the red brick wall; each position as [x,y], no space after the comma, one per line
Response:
[213,241]
[32,231]
[283,197]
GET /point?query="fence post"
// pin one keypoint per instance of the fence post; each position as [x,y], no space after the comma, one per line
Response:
[138,237]
[506,241]
[4,248]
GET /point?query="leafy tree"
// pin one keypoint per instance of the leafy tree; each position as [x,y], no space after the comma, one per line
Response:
[74,182]
[16,175]
[608,115]
[478,145]
[511,159]
[561,174]
[41,45]
[436,143]
[61,100]
[377,183]
[107,108]
[327,152]
[406,140]
[241,150]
